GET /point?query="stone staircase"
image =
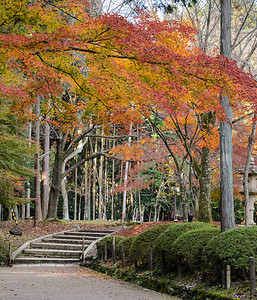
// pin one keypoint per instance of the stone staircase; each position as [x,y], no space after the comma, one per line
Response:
[59,248]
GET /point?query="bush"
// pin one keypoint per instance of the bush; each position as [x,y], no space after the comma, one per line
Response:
[188,248]
[108,241]
[145,240]
[4,252]
[126,244]
[232,247]
[162,246]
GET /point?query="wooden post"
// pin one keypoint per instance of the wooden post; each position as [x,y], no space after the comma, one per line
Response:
[150,259]
[113,255]
[223,276]
[252,275]
[105,253]
[122,256]
[9,259]
[135,264]
[228,276]
[83,250]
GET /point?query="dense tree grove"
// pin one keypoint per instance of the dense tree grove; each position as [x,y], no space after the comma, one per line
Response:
[110,111]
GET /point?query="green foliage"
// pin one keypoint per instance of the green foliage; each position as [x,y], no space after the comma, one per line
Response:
[109,242]
[163,285]
[14,154]
[162,246]
[126,244]
[145,240]
[239,206]
[232,247]
[188,248]
[3,250]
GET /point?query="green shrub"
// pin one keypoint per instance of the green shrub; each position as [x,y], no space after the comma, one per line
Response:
[188,248]
[232,247]
[162,246]
[126,244]
[145,240]
[3,250]
[108,241]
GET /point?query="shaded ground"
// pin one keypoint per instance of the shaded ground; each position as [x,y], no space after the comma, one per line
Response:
[53,283]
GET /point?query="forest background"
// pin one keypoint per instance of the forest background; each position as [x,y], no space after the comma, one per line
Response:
[109,108]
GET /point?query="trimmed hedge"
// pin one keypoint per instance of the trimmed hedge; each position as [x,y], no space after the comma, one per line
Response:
[126,244]
[3,250]
[188,248]
[232,247]
[145,240]
[108,241]
[162,247]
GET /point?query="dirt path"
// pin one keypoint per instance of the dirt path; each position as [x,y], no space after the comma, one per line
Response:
[65,283]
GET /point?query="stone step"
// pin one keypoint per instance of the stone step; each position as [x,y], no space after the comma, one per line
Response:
[66,241]
[56,246]
[85,234]
[45,260]
[75,237]
[60,248]
[52,252]
[97,231]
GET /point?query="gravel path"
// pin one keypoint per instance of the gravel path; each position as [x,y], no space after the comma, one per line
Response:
[68,282]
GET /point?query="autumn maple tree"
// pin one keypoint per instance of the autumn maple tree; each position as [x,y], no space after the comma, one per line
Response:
[120,72]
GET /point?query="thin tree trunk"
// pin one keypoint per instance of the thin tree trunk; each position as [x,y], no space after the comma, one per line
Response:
[113,171]
[45,171]
[87,193]
[79,212]
[38,210]
[76,194]
[28,183]
[106,190]
[94,183]
[246,170]
[226,168]
[205,187]
[139,204]
[124,202]
[100,182]
[150,214]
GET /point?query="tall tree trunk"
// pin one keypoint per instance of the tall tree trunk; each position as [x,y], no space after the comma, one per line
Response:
[28,183]
[113,172]
[100,182]
[139,204]
[94,183]
[79,210]
[76,194]
[87,191]
[226,167]
[106,190]
[205,187]
[38,210]
[45,170]
[56,181]
[124,202]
